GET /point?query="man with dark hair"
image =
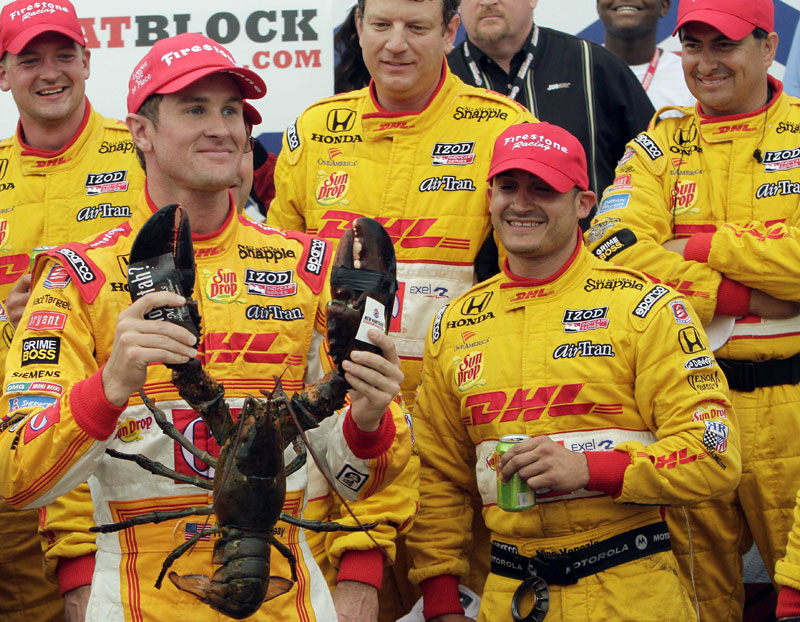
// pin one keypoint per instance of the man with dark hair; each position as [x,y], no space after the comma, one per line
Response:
[100,349]
[580,364]
[562,79]
[411,150]
[707,202]
[631,33]
[68,172]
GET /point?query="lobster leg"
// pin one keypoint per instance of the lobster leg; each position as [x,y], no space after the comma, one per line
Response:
[321,526]
[159,469]
[153,517]
[180,550]
[284,550]
[170,430]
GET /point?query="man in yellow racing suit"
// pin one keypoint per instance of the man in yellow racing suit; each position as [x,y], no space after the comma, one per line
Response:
[66,173]
[253,330]
[707,202]
[411,151]
[609,376]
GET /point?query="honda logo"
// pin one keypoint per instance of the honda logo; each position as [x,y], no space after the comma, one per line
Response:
[475,305]
[341,120]
[690,340]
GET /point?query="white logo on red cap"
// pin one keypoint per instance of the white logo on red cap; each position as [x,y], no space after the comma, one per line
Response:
[176,54]
[139,78]
[534,140]
[37,8]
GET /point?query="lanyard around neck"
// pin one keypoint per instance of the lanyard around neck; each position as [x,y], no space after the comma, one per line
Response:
[651,69]
[519,79]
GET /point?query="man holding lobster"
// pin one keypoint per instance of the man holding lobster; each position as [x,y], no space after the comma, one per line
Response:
[262,297]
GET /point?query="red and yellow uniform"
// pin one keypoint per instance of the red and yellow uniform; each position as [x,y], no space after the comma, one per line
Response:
[252,331]
[731,185]
[602,361]
[49,198]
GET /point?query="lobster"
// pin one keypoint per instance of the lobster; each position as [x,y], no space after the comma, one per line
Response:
[250,482]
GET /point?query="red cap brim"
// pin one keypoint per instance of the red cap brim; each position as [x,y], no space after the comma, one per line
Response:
[251,84]
[18,43]
[555,178]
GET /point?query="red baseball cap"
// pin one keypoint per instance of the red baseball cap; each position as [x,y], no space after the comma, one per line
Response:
[176,62]
[733,18]
[545,150]
[22,20]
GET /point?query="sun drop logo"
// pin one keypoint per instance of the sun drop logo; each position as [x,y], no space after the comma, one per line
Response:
[222,286]
[130,430]
[332,189]
[468,371]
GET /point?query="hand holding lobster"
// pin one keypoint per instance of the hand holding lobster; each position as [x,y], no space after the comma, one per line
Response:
[374,379]
[139,341]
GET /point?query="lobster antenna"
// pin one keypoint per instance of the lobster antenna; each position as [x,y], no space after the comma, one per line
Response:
[319,464]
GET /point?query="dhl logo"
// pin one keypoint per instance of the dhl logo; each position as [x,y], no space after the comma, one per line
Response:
[51,162]
[405,232]
[530,405]
[684,287]
[12,267]
[229,347]
[395,125]
[674,459]
[776,233]
[739,127]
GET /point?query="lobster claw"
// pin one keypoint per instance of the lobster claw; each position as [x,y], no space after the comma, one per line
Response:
[162,259]
[364,268]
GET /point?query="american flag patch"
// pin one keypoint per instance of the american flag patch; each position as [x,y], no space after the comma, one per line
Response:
[716,436]
[192,529]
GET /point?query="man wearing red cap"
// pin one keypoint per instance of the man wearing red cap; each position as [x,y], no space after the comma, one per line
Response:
[584,360]
[706,202]
[68,172]
[411,150]
[186,117]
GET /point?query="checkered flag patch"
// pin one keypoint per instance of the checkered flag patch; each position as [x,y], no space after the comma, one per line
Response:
[716,436]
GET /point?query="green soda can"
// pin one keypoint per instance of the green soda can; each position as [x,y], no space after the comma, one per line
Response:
[36,251]
[513,495]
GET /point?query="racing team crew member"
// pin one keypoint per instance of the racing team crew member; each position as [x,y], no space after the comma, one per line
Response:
[185,105]
[67,173]
[608,375]
[411,150]
[707,203]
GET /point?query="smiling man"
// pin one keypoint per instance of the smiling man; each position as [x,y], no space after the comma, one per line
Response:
[582,360]
[411,150]
[708,202]
[68,172]
[187,119]
[631,33]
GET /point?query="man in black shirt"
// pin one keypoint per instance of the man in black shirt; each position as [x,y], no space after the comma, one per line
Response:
[562,79]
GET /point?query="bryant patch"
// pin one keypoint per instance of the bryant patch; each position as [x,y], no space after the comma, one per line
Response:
[621,240]
[650,298]
[41,350]
[649,146]
[350,478]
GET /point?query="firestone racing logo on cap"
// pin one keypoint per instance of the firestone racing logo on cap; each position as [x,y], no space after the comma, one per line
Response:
[37,8]
[534,140]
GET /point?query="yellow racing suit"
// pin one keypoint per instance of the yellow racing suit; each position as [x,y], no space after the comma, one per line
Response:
[420,174]
[261,295]
[604,362]
[731,185]
[787,571]
[49,198]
